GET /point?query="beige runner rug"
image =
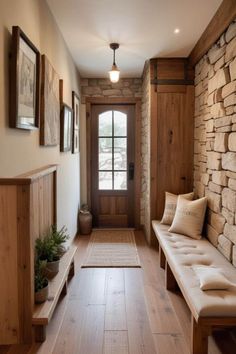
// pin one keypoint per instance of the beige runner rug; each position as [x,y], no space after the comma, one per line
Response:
[112,248]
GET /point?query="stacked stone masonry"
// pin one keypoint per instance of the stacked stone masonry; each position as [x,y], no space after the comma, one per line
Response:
[215,140]
[104,88]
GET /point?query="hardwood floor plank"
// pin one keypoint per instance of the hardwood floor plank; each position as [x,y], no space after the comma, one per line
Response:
[170,343]
[115,316]
[116,342]
[139,332]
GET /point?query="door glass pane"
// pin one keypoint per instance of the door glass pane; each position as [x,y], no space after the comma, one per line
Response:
[105,124]
[120,124]
[105,180]
[105,153]
[120,180]
[120,153]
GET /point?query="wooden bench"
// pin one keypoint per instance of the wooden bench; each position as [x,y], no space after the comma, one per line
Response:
[209,309]
[57,286]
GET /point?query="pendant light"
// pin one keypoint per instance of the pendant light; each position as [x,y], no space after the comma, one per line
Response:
[114,73]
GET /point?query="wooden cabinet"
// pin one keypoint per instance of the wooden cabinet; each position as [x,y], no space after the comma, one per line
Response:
[27,209]
[172,104]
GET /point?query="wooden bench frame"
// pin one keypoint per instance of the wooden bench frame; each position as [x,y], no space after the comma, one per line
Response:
[41,317]
[201,327]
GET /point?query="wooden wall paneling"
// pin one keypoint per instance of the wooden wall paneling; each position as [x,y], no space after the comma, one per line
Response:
[25,264]
[171,131]
[225,14]
[9,324]
[22,217]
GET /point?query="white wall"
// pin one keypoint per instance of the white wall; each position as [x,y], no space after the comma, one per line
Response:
[19,150]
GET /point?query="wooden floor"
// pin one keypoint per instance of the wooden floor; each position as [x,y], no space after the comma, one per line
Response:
[121,311]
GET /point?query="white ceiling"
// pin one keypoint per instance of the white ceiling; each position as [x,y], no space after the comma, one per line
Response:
[144,29]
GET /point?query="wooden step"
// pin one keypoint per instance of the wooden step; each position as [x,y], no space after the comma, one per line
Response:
[43,312]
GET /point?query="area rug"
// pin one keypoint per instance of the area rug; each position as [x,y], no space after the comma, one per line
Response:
[112,248]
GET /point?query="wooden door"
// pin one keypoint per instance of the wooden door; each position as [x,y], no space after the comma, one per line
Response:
[112,165]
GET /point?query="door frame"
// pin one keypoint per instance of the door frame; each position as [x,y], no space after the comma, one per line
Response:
[137,146]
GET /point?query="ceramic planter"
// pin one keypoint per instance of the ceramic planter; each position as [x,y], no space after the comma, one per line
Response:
[41,295]
[52,269]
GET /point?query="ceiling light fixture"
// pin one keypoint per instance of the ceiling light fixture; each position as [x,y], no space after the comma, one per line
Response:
[114,73]
[176,31]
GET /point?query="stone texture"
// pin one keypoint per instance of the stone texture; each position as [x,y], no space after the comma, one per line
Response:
[217,221]
[229,216]
[232,70]
[230,52]
[229,161]
[213,160]
[232,142]
[221,142]
[222,122]
[231,32]
[228,89]
[234,255]
[232,184]
[215,187]
[220,79]
[230,100]
[219,177]
[218,110]
[225,246]
[212,235]
[214,201]
[230,232]
[215,53]
[229,199]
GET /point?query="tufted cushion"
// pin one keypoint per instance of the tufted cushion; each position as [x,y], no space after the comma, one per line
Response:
[170,206]
[189,217]
[182,253]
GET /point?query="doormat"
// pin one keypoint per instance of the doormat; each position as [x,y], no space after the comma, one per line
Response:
[113,249]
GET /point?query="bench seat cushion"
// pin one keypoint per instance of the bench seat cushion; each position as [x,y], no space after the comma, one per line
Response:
[182,253]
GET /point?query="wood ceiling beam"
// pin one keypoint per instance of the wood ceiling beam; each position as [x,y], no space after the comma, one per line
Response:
[225,14]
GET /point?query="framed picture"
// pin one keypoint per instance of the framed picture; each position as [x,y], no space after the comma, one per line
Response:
[24,82]
[50,105]
[66,128]
[75,135]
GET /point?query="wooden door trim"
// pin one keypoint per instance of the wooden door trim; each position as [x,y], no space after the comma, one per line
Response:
[137,180]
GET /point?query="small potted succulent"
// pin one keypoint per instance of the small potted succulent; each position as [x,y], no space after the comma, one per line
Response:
[40,282]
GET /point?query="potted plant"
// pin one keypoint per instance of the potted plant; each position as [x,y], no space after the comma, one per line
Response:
[47,250]
[40,282]
[59,238]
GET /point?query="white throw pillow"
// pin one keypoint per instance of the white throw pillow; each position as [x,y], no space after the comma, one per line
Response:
[189,217]
[170,206]
[212,278]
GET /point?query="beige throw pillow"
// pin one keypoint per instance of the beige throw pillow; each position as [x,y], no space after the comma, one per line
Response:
[170,206]
[189,217]
[212,278]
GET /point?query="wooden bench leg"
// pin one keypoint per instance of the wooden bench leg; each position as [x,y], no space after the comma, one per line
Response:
[199,337]
[40,333]
[72,269]
[170,281]
[64,289]
[162,258]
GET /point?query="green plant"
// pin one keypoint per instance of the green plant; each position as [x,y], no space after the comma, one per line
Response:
[59,238]
[46,249]
[40,281]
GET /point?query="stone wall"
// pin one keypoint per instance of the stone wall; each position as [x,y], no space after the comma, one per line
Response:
[104,88]
[145,152]
[215,140]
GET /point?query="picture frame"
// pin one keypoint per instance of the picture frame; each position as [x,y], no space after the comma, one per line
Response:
[76,117]
[24,98]
[66,128]
[50,105]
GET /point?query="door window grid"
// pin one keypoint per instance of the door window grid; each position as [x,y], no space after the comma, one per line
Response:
[112,178]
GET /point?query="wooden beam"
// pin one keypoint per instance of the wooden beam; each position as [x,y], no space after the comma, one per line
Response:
[225,14]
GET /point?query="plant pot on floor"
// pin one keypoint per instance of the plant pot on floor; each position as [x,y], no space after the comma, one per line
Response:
[41,295]
[52,268]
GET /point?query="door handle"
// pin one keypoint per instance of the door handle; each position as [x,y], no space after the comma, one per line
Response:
[131,171]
